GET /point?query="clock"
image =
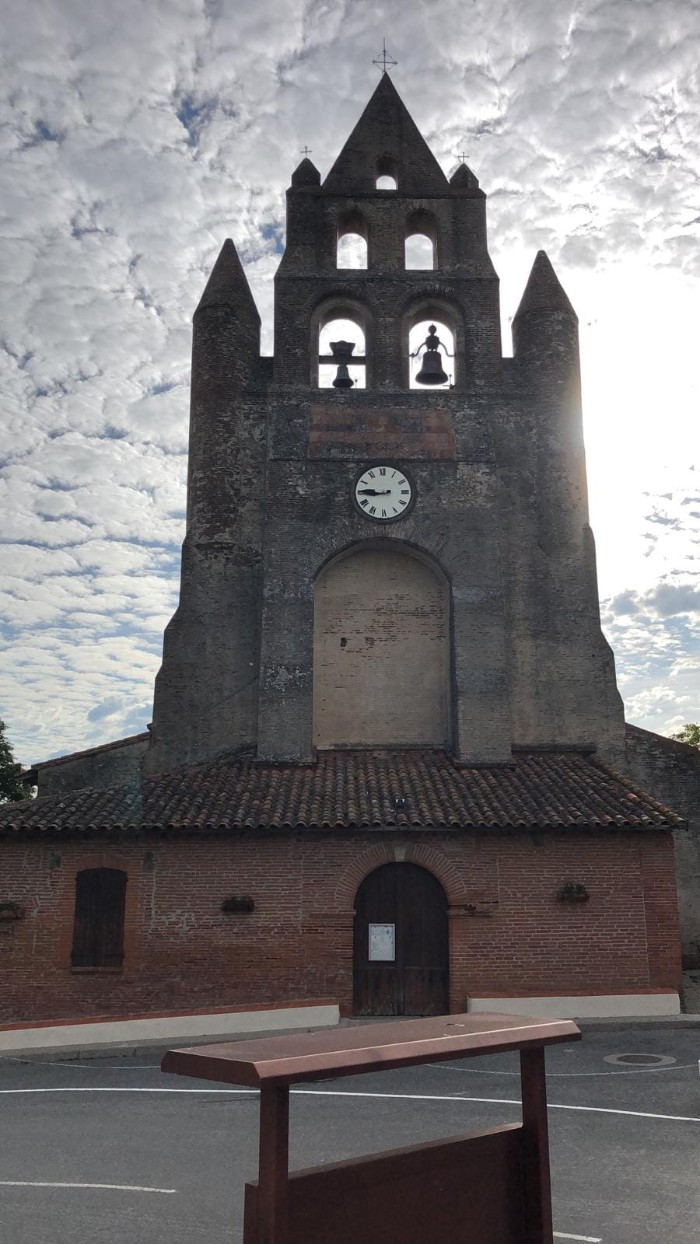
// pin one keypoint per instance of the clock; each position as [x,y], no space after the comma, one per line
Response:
[383,492]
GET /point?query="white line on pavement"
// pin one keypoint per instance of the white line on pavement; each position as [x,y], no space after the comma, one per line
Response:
[586,1239]
[501,1101]
[564,1075]
[454,1097]
[33,1183]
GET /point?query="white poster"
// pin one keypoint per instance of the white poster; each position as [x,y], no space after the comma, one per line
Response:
[382,942]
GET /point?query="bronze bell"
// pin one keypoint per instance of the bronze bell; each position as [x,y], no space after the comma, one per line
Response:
[342,351]
[431,371]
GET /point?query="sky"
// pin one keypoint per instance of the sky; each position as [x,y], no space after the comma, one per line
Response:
[137,136]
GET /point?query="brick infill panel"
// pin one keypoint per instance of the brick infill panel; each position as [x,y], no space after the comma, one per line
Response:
[401,433]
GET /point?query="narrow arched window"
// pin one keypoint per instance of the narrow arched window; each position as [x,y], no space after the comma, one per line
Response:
[421,240]
[420,252]
[98,930]
[352,251]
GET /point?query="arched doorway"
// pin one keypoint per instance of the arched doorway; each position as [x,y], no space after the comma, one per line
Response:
[401,943]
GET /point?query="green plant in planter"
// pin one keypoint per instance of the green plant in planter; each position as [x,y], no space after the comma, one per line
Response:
[239,903]
[574,892]
[9,910]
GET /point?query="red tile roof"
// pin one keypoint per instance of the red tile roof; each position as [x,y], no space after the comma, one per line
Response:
[353,789]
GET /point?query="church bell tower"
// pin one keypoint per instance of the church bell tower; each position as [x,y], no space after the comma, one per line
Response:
[387,532]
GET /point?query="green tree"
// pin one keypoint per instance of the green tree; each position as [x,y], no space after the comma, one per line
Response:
[689,734]
[11,789]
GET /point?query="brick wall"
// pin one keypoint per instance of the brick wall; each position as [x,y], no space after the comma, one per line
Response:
[671,771]
[509,932]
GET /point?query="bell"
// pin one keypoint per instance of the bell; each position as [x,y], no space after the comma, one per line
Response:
[431,371]
[342,351]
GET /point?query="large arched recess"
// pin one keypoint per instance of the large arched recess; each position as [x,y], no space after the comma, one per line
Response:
[382,649]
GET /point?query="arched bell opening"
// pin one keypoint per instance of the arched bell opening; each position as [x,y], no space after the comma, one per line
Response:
[341,330]
[421,244]
[352,243]
[386,173]
[433,346]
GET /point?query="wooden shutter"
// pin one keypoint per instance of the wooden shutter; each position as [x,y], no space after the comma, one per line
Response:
[98,933]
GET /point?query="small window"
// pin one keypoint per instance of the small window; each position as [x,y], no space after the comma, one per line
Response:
[420,252]
[98,931]
[352,251]
[386,173]
[421,240]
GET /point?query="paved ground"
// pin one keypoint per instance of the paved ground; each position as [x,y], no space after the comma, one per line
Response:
[109,1150]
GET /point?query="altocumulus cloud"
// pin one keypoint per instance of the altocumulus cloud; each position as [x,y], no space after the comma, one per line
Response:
[136,137]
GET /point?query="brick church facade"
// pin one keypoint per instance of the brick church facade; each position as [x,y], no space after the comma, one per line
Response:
[388,762]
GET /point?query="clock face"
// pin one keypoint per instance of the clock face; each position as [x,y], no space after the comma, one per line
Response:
[383,493]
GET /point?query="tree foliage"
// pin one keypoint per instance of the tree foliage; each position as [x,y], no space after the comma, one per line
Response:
[11,789]
[689,734]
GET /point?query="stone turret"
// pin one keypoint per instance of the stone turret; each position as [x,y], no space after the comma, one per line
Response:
[206,691]
[563,673]
[546,351]
[545,342]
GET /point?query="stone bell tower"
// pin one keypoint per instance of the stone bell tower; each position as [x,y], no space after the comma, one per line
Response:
[462,611]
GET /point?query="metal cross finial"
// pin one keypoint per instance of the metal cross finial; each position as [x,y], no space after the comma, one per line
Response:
[305,151]
[385,60]
[462,157]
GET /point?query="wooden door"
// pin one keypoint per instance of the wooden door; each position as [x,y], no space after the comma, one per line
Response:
[401,944]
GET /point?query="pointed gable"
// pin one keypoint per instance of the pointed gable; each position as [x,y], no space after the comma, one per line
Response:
[385,139]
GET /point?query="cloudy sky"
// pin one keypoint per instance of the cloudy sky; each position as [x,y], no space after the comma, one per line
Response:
[137,136]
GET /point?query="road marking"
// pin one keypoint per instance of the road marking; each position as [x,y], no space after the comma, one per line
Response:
[586,1239]
[93,1088]
[454,1097]
[496,1101]
[566,1075]
[33,1183]
[68,1066]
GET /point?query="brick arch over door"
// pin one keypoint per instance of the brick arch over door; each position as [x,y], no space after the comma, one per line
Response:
[381,650]
[454,880]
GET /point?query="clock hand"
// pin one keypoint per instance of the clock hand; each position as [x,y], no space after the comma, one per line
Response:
[374,492]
